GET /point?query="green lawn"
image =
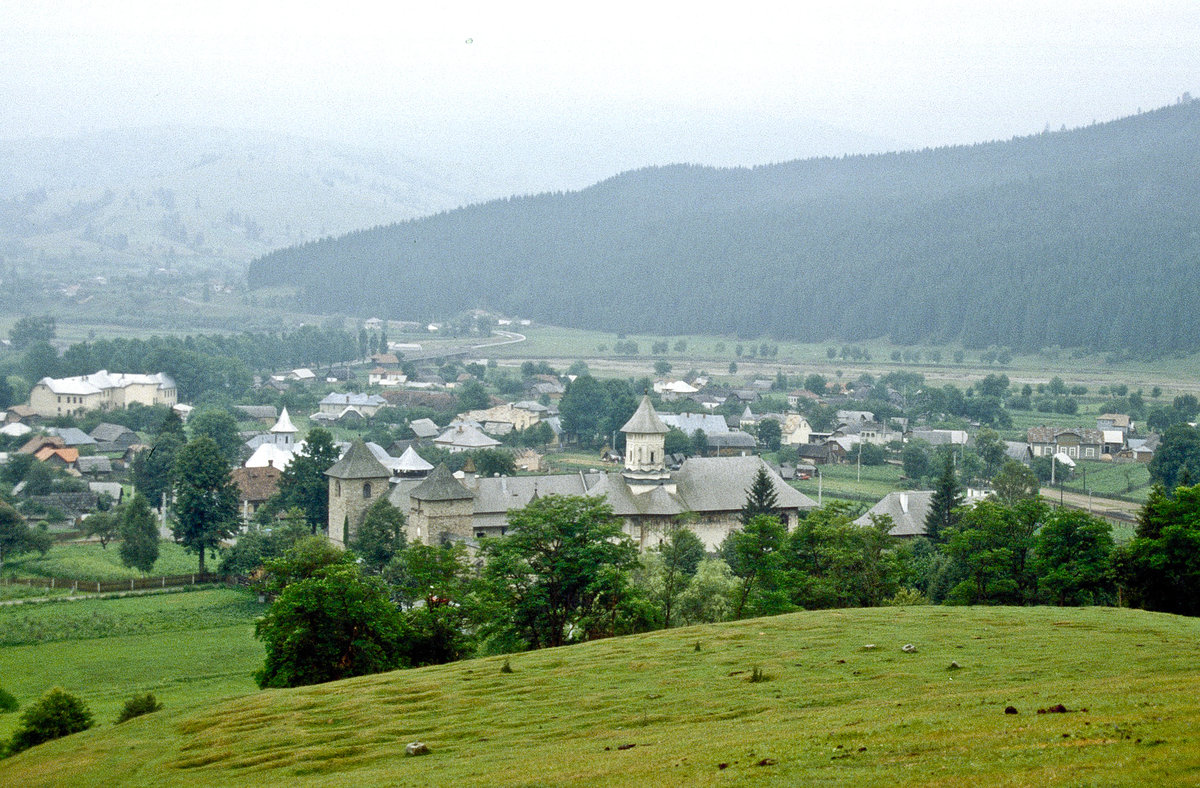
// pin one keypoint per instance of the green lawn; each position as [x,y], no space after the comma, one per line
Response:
[678,708]
[90,561]
[187,648]
[1117,480]
[843,481]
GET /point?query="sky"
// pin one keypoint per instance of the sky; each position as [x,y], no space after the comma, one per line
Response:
[616,84]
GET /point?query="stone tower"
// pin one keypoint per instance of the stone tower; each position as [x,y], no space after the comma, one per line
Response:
[355,482]
[645,457]
[442,508]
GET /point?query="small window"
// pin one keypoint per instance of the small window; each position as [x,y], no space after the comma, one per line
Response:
[366,489]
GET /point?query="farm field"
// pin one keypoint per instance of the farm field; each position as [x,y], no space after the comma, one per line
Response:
[187,648]
[680,708]
[90,561]
[842,481]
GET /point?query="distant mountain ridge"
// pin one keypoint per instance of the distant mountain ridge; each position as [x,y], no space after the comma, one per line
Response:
[168,195]
[1088,237]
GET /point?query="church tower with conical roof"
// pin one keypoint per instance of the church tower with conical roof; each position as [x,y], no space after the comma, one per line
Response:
[356,481]
[645,455]
[283,434]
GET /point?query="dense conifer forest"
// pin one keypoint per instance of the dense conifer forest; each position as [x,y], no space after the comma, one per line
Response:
[1088,237]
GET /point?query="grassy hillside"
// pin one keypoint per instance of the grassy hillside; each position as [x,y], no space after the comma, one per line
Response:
[679,708]
[187,648]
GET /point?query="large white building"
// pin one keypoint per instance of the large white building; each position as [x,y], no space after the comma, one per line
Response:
[101,390]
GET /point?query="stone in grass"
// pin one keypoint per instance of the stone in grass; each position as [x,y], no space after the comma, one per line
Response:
[954,666]
[1010,709]
[909,648]
[869,647]
[416,748]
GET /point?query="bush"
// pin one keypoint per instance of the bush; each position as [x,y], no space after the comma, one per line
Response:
[58,713]
[7,701]
[137,706]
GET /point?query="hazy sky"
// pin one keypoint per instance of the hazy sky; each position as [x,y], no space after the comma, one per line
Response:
[471,79]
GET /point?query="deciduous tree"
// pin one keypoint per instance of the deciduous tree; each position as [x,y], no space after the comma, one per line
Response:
[205,498]
[139,534]
[560,573]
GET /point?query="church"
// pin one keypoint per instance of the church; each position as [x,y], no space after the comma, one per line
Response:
[645,494]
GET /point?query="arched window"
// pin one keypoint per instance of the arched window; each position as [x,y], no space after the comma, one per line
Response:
[366,489]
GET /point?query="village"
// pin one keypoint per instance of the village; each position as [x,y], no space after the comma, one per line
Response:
[691,445]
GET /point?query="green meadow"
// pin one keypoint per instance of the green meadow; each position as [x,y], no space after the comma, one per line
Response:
[837,702]
[188,648]
[90,561]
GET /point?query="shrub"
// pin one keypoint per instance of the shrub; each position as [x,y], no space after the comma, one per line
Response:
[56,714]
[7,701]
[137,706]
[906,597]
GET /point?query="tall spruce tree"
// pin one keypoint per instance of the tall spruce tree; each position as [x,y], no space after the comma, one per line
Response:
[205,498]
[943,506]
[761,498]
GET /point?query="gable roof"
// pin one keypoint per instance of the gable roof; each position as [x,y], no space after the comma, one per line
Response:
[645,421]
[106,432]
[424,428]
[358,463]
[690,422]
[73,436]
[907,509]
[256,484]
[441,486]
[707,484]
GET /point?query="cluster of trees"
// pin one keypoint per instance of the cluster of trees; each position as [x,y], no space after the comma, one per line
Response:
[1035,210]
[201,364]
[58,713]
[593,410]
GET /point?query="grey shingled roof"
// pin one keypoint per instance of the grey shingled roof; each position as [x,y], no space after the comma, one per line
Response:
[109,433]
[500,494]
[645,420]
[441,486]
[358,463]
[719,484]
[690,422]
[907,509]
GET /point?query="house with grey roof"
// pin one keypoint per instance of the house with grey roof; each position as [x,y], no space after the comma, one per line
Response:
[690,422]
[907,509]
[336,404]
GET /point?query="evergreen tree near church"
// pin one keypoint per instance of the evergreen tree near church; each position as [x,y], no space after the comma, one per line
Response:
[943,506]
[761,498]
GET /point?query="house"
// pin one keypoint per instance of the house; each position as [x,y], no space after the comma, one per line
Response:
[688,423]
[1114,421]
[733,443]
[674,389]
[23,414]
[796,430]
[302,374]
[72,436]
[255,487]
[113,437]
[940,437]
[424,429]
[15,430]
[336,404]
[464,437]
[510,415]
[64,459]
[114,490]
[382,376]
[1019,451]
[908,510]
[645,495]
[39,442]
[1078,443]
[100,391]
[851,416]
[94,466]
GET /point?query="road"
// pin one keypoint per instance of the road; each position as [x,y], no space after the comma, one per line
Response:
[1110,507]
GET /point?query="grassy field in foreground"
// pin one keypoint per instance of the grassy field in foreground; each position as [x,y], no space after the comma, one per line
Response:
[679,708]
[187,648]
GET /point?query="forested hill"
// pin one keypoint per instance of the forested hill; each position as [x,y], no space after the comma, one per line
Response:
[1089,237]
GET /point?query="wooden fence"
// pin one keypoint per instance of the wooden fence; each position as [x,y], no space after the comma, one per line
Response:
[91,586]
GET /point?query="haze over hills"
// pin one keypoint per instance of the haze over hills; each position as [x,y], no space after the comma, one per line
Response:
[1080,238]
[165,196]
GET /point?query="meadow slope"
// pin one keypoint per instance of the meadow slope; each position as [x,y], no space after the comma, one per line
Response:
[679,708]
